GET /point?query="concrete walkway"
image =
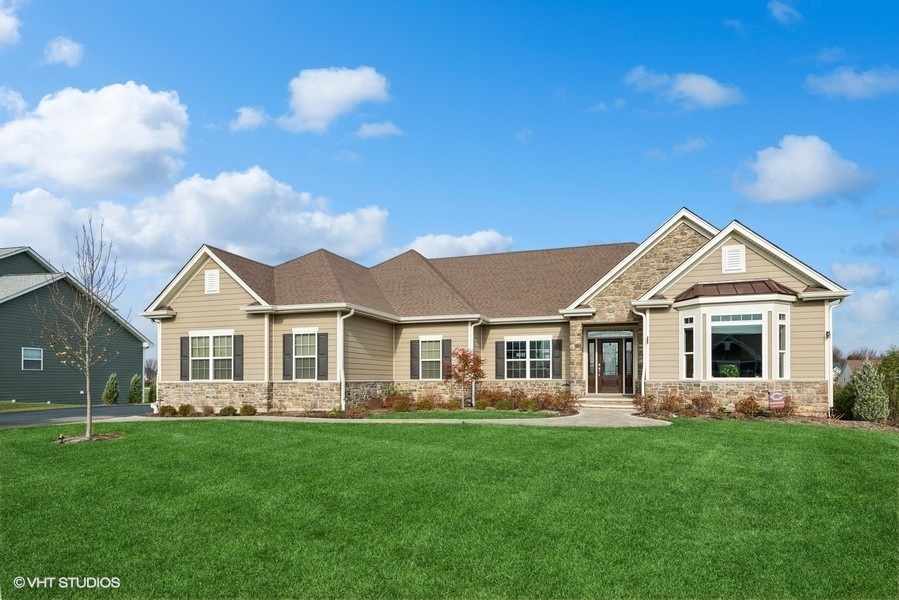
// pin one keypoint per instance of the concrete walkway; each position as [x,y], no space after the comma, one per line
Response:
[588,417]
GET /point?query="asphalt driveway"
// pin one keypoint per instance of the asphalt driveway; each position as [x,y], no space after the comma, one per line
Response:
[29,418]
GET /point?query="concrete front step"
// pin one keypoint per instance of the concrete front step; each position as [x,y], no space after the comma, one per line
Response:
[622,402]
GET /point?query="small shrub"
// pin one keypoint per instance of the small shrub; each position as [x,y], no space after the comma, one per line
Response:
[703,403]
[167,411]
[185,410]
[228,411]
[647,405]
[208,411]
[529,405]
[672,403]
[247,410]
[424,404]
[843,401]
[111,390]
[563,403]
[516,396]
[504,404]
[488,398]
[400,405]
[134,390]
[748,408]
[151,393]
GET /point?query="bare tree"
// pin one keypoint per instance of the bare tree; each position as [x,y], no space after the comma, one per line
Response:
[863,353]
[75,321]
[151,367]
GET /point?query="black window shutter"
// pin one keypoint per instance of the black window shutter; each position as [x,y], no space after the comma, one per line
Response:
[557,359]
[500,360]
[446,358]
[414,364]
[288,356]
[185,359]
[237,373]
[322,366]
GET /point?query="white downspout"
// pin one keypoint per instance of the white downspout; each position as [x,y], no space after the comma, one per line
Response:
[471,327]
[341,371]
[268,349]
[828,349]
[644,348]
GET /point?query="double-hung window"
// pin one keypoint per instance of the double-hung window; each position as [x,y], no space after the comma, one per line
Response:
[431,358]
[528,358]
[32,359]
[212,356]
[305,352]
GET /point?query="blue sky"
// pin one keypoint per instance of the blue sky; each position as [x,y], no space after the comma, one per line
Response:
[275,128]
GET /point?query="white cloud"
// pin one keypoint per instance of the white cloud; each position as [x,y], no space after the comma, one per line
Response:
[12,101]
[63,51]
[385,129]
[831,54]
[689,90]
[692,144]
[118,137]
[848,274]
[617,104]
[783,13]
[320,96]
[38,210]
[479,242]
[875,307]
[9,25]
[736,25]
[524,136]
[801,167]
[855,85]
[249,117]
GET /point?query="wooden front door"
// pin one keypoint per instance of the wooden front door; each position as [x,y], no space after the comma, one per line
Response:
[610,366]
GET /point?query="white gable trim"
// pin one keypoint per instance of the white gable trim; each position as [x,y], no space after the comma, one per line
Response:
[683,215]
[735,227]
[188,269]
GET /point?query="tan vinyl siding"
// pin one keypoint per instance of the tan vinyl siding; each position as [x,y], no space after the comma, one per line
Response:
[757,267]
[807,346]
[325,322]
[457,332]
[498,333]
[664,344]
[196,310]
[368,349]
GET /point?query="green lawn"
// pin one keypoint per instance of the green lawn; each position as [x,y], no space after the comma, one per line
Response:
[220,508]
[6,406]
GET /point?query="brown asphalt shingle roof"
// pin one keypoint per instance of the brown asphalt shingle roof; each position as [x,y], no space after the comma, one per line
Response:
[510,284]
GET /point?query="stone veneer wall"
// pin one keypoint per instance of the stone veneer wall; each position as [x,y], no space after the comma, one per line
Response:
[358,393]
[305,395]
[809,396]
[217,394]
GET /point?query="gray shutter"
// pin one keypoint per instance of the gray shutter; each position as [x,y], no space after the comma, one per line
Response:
[500,360]
[414,361]
[185,359]
[557,359]
[446,358]
[288,356]
[322,362]
[237,370]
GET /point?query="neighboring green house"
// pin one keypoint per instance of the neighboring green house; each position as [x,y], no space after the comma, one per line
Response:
[692,309]
[29,371]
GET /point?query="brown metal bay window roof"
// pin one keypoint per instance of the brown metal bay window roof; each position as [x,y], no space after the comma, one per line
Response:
[734,288]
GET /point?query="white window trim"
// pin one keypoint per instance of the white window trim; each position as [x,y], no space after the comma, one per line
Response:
[305,331]
[733,258]
[211,279]
[41,350]
[211,333]
[696,317]
[735,309]
[528,360]
[776,333]
[422,360]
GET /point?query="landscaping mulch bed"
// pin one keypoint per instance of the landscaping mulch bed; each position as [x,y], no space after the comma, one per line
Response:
[100,437]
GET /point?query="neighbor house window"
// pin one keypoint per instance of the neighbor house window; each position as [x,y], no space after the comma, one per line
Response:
[211,279]
[211,356]
[733,259]
[782,332]
[32,359]
[737,345]
[431,359]
[305,352]
[529,359]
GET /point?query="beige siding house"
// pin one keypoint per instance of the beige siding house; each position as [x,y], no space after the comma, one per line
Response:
[691,310]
